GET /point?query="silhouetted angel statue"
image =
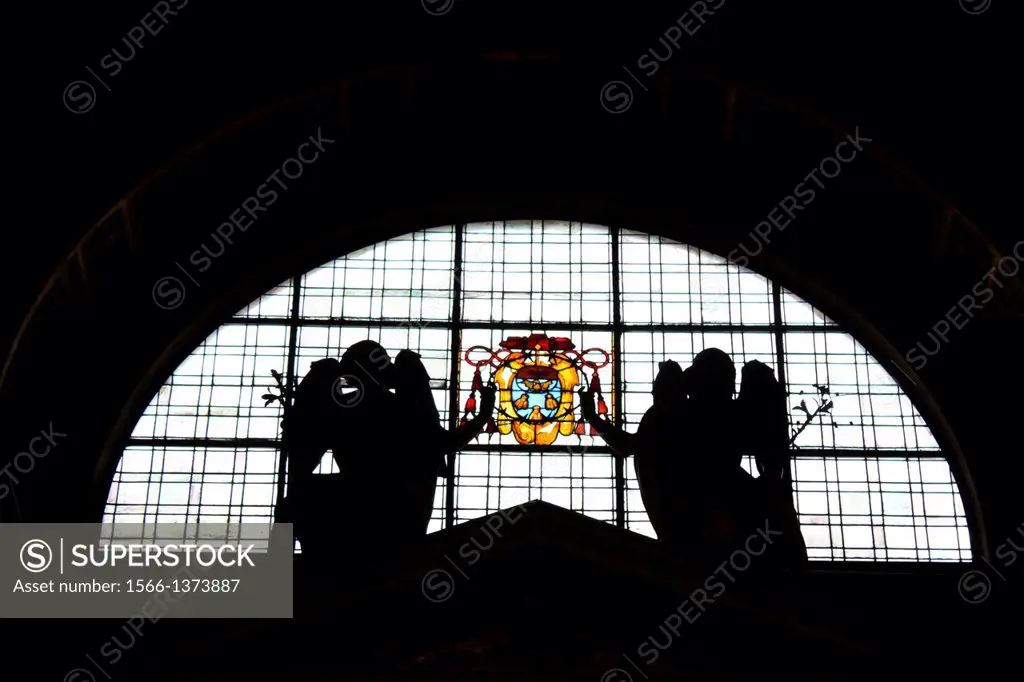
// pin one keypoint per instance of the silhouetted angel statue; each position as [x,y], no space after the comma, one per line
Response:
[428,441]
[689,448]
[762,411]
[388,446]
[761,405]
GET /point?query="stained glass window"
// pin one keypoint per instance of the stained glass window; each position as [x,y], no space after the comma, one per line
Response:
[542,308]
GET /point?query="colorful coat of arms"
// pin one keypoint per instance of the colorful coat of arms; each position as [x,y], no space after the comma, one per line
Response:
[537,379]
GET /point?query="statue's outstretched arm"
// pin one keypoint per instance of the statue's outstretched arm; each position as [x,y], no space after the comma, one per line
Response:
[624,444]
[459,437]
[412,383]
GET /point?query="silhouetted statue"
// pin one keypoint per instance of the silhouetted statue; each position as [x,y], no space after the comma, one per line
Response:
[427,440]
[689,449]
[763,413]
[389,449]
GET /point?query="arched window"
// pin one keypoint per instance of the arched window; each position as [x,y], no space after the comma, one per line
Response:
[870,480]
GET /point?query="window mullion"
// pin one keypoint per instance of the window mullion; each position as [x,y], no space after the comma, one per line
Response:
[453,385]
[620,462]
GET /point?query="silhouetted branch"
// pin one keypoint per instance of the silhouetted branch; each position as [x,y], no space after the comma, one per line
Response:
[823,406]
[285,395]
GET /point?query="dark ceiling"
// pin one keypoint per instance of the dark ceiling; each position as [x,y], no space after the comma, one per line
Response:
[931,80]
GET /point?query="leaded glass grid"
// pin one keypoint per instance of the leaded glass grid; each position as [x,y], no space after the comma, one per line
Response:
[871,482]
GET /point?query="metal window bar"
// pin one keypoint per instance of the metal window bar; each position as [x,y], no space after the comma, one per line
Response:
[620,462]
[453,398]
[293,339]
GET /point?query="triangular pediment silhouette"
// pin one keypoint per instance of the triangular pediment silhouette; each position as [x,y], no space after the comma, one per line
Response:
[537,591]
[529,584]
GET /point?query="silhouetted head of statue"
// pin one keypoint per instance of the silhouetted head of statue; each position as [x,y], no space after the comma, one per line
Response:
[757,373]
[712,376]
[368,362]
[670,383]
[409,374]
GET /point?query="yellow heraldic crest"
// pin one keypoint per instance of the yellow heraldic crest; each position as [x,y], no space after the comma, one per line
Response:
[537,378]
